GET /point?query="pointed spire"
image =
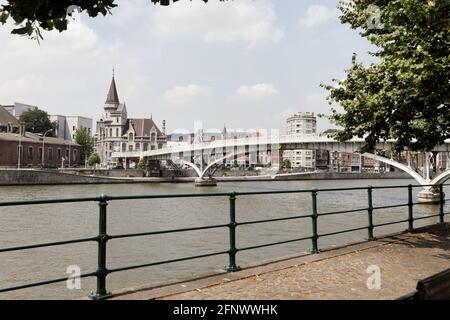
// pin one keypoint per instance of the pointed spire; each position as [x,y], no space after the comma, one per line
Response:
[112,97]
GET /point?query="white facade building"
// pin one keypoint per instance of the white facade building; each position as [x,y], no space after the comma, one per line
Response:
[301,124]
[18,108]
[116,132]
[68,125]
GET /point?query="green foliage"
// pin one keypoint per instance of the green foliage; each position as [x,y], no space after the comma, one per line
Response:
[287,164]
[269,164]
[235,164]
[31,17]
[93,159]
[141,164]
[84,139]
[36,121]
[405,95]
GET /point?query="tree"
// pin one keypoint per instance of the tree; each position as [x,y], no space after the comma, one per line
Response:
[34,16]
[141,164]
[405,95]
[287,164]
[36,121]
[93,160]
[84,139]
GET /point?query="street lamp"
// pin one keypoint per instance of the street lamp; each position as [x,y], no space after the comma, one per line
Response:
[43,145]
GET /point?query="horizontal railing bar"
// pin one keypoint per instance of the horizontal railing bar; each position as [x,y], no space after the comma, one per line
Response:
[166,261]
[167,196]
[42,283]
[427,217]
[390,223]
[391,206]
[196,195]
[343,211]
[48,244]
[46,201]
[119,236]
[343,231]
[273,244]
[272,220]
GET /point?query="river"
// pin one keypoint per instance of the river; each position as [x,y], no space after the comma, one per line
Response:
[21,225]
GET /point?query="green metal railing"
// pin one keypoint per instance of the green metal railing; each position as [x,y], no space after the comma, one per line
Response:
[103,237]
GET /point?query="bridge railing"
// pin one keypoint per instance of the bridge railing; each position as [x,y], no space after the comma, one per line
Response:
[102,238]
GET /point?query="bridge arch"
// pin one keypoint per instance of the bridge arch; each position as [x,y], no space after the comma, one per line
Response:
[398,165]
[200,173]
[441,178]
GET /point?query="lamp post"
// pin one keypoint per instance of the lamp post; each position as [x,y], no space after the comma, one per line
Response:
[43,145]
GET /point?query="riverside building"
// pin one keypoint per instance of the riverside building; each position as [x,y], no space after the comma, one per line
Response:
[116,132]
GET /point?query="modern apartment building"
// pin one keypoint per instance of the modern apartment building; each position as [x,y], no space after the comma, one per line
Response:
[301,124]
[68,125]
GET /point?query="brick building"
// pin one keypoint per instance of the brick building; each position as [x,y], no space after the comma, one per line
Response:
[31,147]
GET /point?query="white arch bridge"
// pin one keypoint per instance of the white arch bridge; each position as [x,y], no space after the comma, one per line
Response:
[203,157]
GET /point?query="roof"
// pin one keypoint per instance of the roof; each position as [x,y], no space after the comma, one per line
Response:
[112,97]
[142,127]
[34,138]
[6,117]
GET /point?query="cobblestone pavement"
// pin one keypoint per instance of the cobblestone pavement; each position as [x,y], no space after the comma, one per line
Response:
[334,274]
[402,264]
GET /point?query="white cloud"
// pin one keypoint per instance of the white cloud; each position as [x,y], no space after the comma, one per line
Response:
[257,91]
[246,21]
[186,94]
[316,15]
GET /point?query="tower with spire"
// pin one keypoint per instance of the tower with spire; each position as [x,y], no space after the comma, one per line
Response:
[117,133]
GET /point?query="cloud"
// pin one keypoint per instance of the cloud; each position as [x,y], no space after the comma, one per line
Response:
[246,21]
[257,91]
[317,15]
[181,95]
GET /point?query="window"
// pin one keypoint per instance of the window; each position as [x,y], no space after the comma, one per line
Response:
[73,128]
[75,155]
[117,132]
[138,147]
[130,136]
[130,147]
[50,154]
[124,147]
[110,132]
[145,146]
[40,153]
[153,137]
[67,154]
[30,153]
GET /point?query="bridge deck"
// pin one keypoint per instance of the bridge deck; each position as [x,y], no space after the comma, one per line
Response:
[339,273]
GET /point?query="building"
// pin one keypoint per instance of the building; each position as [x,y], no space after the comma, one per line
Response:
[116,132]
[18,108]
[302,124]
[8,123]
[68,125]
[31,150]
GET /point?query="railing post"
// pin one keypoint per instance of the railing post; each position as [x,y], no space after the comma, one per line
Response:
[232,267]
[441,204]
[370,214]
[102,271]
[410,209]
[314,216]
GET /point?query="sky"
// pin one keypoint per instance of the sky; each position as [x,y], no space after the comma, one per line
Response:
[243,63]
